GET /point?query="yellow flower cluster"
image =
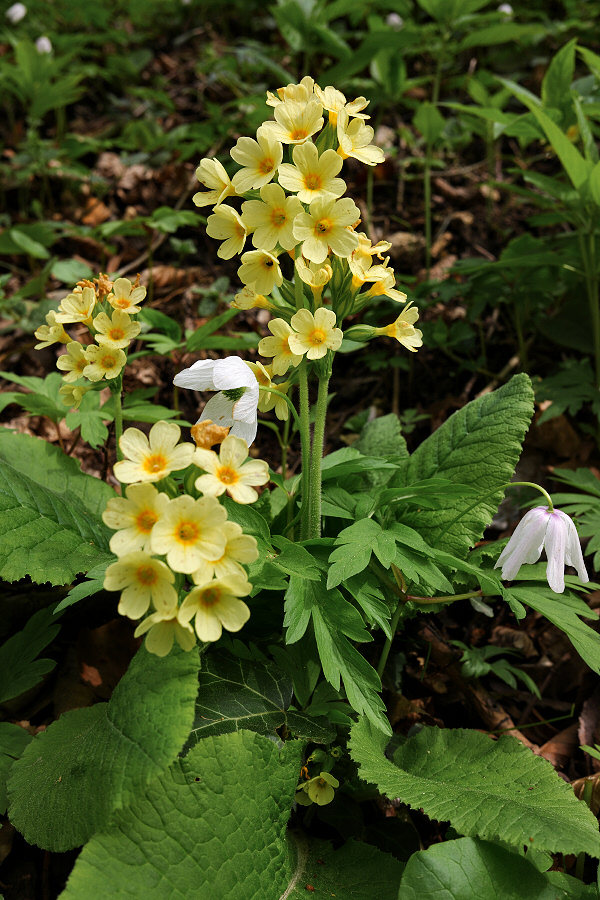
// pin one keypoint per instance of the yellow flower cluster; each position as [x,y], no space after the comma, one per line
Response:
[105,308]
[180,556]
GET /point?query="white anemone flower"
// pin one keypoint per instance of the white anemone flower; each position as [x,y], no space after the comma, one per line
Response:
[538,529]
[235,405]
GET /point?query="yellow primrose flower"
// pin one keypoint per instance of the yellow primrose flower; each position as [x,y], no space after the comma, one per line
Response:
[334,101]
[314,275]
[72,394]
[327,226]
[77,307]
[230,472]
[103,362]
[154,457]
[295,122]
[312,175]
[249,299]
[361,260]
[384,284]
[260,159]
[260,269]
[239,548]
[143,580]
[403,329]
[216,606]
[51,333]
[116,332]
[278,347]
[162,628]
[274,399]
[212,175]
[354,138]
[189,531]
[226,225]
[126,296]
[319,790]
[133,517]
[73,362]
[315,335]
[272,218]
[301,93]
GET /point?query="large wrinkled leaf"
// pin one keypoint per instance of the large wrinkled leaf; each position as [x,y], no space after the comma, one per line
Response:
[349,873]
[92,761]
[239,693]
[212,826]
[495,790]
[13,740]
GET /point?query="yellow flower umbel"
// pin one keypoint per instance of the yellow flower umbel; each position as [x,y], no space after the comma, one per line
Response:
[154,457]
[240,548]
[301,93]
[355,138]
[117,331]
[230,472]
[226,225]
[315,275]
[143,580]
[162,628]
[312,175]
[216,606]
[334,102]
[189,531]
[272,218]
[103,362]
[278,347]
[384,284]
[403,329]
[73,394]
[51,333]
[319,790]
[212,175]
[125,296]
[327,225]
[260,159]
[77,307]
[73,362]
[260,269]
[133,517]
[314,335]
[295,122]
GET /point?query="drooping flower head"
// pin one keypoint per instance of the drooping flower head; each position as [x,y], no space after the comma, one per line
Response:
[235,405]
[541,529]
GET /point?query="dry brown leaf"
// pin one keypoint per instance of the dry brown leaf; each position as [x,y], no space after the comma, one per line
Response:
[502,636]
[96,212]
[562,747]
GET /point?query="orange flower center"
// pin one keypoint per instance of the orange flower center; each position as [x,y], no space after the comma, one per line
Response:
[154,463]
[267,263]
[121,302]
[108,362]
[145,521]
[187,533]
[227,475]
[298,134]
[116,334]
[323,226]
[266,165]
[211,596]
[317,337]
[313,182]
[278,217]
[146,575]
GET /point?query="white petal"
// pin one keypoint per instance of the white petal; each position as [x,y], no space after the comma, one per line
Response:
[556,545]
[525,544]
[219,410]
[573,554]
[245,430]
[232,373]
[198,377]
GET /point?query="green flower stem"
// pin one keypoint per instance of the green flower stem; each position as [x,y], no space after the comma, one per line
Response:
[266,390]
[489,494]
[305,439]
[316,462]
[116,388]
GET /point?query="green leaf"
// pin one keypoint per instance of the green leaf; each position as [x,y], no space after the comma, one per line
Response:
[239,693]
[382,437]
[500,33]
[556,86]
[469,869]
[44,399]
[95,760]
[197,339]
[70,271]
[428,121]
[564,611]
[358,542]
[294,559]
[27,245]
[348,873]
[93,585]
[213,825]
[50,525]
[478,445]
[19,668]
[495,790]
[90,418]
[13,740]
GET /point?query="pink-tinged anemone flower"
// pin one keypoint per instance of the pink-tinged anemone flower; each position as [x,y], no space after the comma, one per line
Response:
[540,529]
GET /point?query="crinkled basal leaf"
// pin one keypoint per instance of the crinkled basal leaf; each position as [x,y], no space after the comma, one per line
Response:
[212,826]
[350,873]
[495,790]
[478,446]
[92,761]
[19,668]
[382,437]
[50,525]
[239,693]
[469,869]
[13,740]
